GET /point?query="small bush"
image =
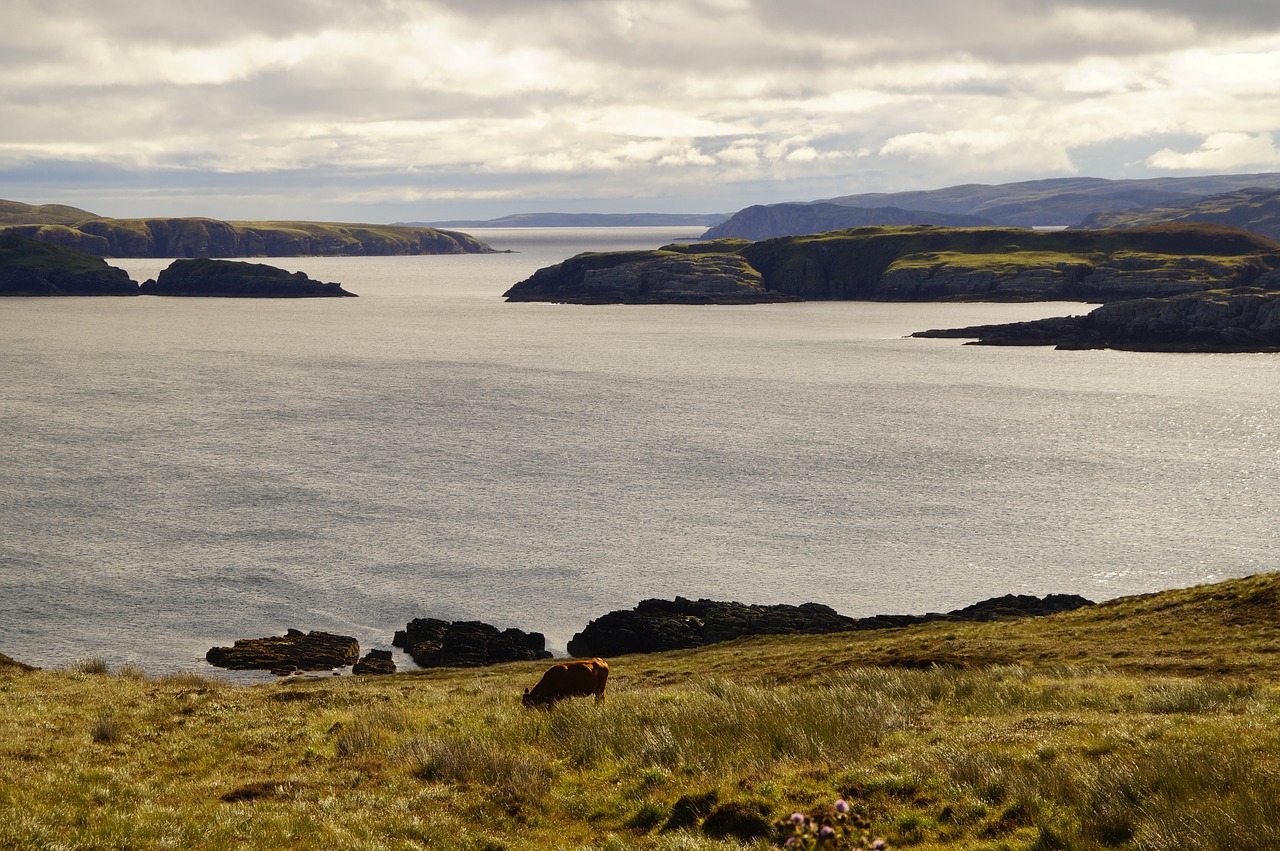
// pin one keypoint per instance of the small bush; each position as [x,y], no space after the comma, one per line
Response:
[92,665]
[106,728]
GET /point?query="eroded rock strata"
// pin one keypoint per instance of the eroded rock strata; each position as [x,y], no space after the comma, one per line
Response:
[1245,319]
[467,644]
[284,654]
[647,277]
[235,279]
[658,625]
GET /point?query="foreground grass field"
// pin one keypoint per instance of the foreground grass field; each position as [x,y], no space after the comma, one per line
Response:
[1149,722]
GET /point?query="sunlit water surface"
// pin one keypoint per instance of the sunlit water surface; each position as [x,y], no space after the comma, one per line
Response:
[179,473]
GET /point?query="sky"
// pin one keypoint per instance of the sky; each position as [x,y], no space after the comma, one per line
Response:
[396,110]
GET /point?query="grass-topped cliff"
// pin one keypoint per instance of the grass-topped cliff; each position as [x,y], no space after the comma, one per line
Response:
[922,263]
[1145,722]
[202,237]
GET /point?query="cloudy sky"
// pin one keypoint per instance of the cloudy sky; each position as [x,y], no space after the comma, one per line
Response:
[384,110]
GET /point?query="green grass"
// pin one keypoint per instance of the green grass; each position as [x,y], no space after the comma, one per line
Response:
[1004,262]
[1142,723]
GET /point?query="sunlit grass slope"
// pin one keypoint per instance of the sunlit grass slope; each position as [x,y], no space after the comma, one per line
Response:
[1148,722]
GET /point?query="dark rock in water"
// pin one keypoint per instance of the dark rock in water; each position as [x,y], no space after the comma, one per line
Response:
[235,279]
[658,625]
[285,654]
[9,664]
[1243,319]
[467,644]
[375,662]
[32,268]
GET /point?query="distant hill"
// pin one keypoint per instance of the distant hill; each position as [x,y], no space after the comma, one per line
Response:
[772,220]
[1055,202]
[18,213]
[200,237]
[1254,210]
[583,220]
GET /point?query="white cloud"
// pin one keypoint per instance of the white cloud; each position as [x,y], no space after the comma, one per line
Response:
[707,101]
[1222,151]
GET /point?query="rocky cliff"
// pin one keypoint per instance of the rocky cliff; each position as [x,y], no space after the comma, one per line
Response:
[197,237]
[647,277]
[235,279]
[1238,320]
[919,264]
[32,268]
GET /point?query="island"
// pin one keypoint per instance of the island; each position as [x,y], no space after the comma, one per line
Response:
[236,279]
[920,263]
[32,268]
[1244,319]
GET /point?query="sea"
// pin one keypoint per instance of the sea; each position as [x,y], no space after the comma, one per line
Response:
[179,473]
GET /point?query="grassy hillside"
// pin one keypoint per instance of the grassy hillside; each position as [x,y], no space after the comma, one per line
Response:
[18,213]
[1147,722]
[1254,210]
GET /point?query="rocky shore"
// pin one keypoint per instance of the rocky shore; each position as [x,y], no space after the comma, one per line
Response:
[652,626]
[1245,319]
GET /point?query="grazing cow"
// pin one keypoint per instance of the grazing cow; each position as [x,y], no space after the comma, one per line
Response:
[569,679]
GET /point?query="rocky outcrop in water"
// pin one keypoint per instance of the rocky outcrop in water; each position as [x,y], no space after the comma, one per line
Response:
[32,268]
[467,644]
[375,662]
[658,625]
[647,277]
[284,654]
[1246,319]
[235,279]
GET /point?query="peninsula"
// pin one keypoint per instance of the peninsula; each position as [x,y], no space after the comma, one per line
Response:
[204,237]
[920,263]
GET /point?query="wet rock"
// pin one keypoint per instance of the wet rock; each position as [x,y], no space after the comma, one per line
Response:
[436,643]
[659,625]
[375,662]
[285,654]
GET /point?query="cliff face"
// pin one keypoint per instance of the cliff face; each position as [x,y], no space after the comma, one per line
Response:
[920,264]
[196,237]
[32,268]
[647,277]
[1245,319]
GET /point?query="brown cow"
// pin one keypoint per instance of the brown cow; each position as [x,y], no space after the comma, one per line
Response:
[569,679]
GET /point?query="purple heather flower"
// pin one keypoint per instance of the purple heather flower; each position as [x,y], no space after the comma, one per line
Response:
[791,843]
[827,831]
[842,806]
[879,845]
[797,818]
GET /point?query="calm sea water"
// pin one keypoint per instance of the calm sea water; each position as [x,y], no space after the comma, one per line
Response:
[179,473]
